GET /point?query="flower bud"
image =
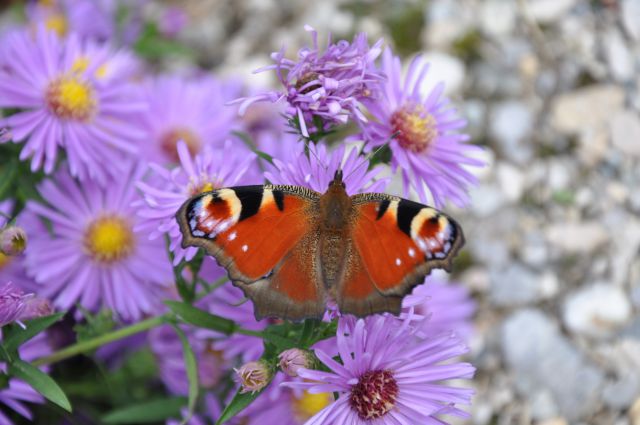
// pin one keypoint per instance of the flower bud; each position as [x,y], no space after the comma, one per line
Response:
[254,376]
[13,240]
[293,359]
[12,303]
[36,307]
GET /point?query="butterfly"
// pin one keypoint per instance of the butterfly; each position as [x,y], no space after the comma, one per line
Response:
[291,249]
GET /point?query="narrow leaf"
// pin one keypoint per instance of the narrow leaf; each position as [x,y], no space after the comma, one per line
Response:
[19,336]
[201,318]
[240,401]
[40,381]
[147,412]
[192,372]
[7,177]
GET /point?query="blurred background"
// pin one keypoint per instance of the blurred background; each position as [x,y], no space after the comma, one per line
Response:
[551,90]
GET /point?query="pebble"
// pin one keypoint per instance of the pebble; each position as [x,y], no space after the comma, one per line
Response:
[630,14]
[443,68]
[515,285]
[634,412]
[625,132]
[619,58]
[510,124]
[597,311]
[547,11]
[577,238]
[586,108]
[542,359]
[498,17]
[511,180]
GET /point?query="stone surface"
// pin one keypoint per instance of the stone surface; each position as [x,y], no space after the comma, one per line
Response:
[547,11]
[586,108]
[598,310]
[625,132]
[576,238]
[541,359]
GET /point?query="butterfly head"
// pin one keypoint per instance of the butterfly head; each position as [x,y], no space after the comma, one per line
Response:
[337,179]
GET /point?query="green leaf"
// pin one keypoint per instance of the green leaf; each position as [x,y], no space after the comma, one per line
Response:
[192,372]
[240,401]
[147,412]
[19,336]
[7,176]
[40,381]
[201,318]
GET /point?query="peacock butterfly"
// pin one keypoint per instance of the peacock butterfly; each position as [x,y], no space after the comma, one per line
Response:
[290,248]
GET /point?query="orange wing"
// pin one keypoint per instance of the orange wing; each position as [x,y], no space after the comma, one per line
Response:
[265,237]
[395,243]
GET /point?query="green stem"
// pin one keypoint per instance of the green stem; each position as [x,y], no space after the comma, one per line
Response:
[93,343]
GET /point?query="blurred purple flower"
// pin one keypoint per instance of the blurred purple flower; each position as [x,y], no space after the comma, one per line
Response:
[327,85]
[70,99]
[18,392]
[228,301]
[193,110]
[388,374]
[423,134]
[87,18]
[166,346]
[164,191]
[172,21]
[447,307]
[92,255]
[317,170]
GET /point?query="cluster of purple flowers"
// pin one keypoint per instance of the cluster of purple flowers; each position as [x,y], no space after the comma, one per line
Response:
[122,148]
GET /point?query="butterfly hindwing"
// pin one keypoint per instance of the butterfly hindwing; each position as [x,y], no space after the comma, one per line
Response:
[396,243]
[262,236]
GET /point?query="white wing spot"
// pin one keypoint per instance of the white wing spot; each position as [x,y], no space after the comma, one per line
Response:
[245,248]
[398,261]
[412,252]
[232,236]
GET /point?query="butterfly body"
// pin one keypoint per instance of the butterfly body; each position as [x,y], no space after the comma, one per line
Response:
[291,249]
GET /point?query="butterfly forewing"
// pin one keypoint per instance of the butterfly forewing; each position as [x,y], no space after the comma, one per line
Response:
[264,238]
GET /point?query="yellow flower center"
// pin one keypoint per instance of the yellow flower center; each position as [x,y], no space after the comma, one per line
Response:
[307,405]
[109,239]
[4,260]
[414,127]
[57,23]
[169,142]
[70,98]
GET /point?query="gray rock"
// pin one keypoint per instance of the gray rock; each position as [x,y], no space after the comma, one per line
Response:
[541,359]
[620,394]
[511,180]
[597,311]
[619,58]
[586,108]
[630,14]
[498,17]
[577,238]
[625,132]
[486,199]
[511,123]
[548,11]
[515,285]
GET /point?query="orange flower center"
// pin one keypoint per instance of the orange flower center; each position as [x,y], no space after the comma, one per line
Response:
[414,127]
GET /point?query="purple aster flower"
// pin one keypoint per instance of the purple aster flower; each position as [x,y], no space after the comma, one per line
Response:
[447,307]
[19,392]
[423,134]
[172,21]
[317,170]
[92,254]
[67,102]
[388,374]
[328,85]
[166,190]
[212,409]
[193,110]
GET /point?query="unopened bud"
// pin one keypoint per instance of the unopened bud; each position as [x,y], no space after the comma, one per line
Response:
[12,303]
[37,307]
[13,240]
[254,376]
[293,359]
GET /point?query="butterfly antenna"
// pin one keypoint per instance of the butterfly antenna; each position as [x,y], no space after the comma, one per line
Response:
[370,155]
